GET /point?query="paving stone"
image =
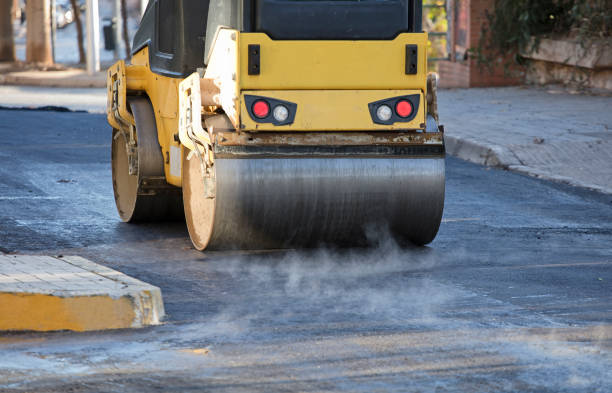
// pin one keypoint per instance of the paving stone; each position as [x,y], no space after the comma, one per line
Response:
[543,132]
[71,293]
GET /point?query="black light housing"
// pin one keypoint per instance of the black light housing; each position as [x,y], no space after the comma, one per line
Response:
[251,100]
[413,99]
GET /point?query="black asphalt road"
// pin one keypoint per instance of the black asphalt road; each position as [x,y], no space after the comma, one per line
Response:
[514,295]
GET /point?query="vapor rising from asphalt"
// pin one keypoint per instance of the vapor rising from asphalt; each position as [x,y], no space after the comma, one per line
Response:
[379,314]
[385,282]
[391,289]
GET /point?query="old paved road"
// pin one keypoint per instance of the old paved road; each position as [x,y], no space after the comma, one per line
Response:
[515,294]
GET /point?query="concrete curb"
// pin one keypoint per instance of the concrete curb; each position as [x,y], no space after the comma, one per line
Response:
[479,152]
[42,293]
[483,153]
[66,79]
[544,175]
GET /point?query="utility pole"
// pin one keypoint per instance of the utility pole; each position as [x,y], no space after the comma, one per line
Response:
[38,33]
[124,24]
[118,24]
[52,12]
[7,43]
[93,36]
[143,7]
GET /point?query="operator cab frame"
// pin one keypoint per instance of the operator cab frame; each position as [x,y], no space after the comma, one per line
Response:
[180,33]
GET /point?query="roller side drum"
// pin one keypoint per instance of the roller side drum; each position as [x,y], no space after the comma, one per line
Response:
[144,195]
[286,201]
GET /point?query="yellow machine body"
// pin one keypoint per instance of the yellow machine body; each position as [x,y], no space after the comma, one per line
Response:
[205,132]
[137,79]
[330,81]
[331,110]
[332,65]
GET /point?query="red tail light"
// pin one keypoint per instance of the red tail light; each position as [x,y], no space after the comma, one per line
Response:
[261,109]
[403,108]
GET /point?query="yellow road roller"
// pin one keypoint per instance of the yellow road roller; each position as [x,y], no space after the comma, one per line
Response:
[279,123]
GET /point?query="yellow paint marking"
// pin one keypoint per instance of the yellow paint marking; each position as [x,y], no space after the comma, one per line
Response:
[45,312]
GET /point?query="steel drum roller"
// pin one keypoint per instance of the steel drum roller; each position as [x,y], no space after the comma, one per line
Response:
[263,203]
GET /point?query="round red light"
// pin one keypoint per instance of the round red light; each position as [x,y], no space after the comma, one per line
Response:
[261,109]
[403,108]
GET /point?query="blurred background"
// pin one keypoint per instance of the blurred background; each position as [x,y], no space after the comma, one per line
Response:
[61,33]
[473,43]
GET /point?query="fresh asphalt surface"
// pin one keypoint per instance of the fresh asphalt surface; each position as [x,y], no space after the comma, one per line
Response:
[515,293]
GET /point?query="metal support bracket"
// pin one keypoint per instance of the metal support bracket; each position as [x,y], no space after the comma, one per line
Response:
[132,150]
[191,133]
[118,115]
[116,104]
[432,104]
[432,95]
[131,147]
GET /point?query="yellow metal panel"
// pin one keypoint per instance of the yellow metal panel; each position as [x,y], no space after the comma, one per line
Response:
[354,65]
[136,77]
[118,115]
[342,76]
[47,312]
[162,91]
[332,110]
[141,57]
[222,68]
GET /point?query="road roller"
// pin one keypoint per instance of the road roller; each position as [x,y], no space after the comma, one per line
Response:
[279,123]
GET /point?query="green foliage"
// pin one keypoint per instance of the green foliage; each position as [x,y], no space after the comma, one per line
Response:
[435,21]
[518,25]
[592,19]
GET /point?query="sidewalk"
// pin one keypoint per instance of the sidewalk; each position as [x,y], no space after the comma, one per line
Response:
[59,77]
[92,100]
[543,132]
[45,293]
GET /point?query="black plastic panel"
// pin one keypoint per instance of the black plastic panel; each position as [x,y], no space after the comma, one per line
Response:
[412,59]
[334,19]
[174,31]
[249,100]
[414,99]
[166,26]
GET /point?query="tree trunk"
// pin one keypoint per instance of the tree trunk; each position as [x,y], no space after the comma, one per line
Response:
[76,10]
[38,33]
[15,10]
[7,42]
[126,35]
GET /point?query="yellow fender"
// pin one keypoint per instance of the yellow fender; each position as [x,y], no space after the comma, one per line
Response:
[116,98]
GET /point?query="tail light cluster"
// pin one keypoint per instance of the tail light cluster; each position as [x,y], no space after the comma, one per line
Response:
[400,109]
[270,110]
[395,110]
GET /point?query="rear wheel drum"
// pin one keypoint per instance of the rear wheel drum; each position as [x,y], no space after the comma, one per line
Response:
[264,203]
[144,196]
